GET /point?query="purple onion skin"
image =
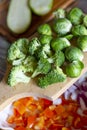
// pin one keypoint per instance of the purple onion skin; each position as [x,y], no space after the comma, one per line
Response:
[82,95]
[84,86]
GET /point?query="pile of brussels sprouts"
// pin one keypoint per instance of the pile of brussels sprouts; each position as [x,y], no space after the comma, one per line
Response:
[70,29]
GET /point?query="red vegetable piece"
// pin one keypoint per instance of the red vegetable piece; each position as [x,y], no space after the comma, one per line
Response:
[31,120]
[19,107]
[20,128]
[48,113]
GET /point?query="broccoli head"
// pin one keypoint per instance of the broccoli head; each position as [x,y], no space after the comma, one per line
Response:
[54,76]
[58,58]
[18,50]
[17,75]
[43,67]
[44,51]
[34,45]
[29,64]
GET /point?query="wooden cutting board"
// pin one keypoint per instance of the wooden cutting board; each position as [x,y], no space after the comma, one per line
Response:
[9,94]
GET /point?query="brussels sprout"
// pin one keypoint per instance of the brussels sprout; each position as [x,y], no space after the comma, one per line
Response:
[75,16]
[62,26]
[85,20]
[74,69]
[59,43]
[45,39]
[79,30]
[73,53]
[44,29]
[59,13]
[82,43]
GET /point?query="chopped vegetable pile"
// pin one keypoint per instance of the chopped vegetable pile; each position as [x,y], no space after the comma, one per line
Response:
[55,54]
[65,113]
[42,114]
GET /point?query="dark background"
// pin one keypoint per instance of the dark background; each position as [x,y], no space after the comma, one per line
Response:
[83,5]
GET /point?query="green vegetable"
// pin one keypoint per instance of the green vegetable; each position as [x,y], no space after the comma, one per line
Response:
[58,58]
[68,36]
[41,7]
[29,64]
[59,43]
[45,39]
[75,16]
[85,20]
[54,76]
[18,61]
[44,51]
[46,56]
[43,67]
[59,13]
[82,43]
[19,16]
[17,75]
[62,26]
[73,53]
[44,29]
[79,30]
[34,44]
[18,51]
[74,69]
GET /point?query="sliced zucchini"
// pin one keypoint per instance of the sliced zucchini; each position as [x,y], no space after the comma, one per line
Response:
[41,7]
[19,16]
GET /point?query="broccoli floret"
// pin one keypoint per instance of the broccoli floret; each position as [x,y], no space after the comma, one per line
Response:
[44,51]
[17,75]
[58,58]
[34,45]
[18,50]
[54,76]
[43,67]
[18,61]
[29,64]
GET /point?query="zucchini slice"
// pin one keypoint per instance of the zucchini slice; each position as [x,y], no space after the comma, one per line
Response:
[19,16]
[41,7]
